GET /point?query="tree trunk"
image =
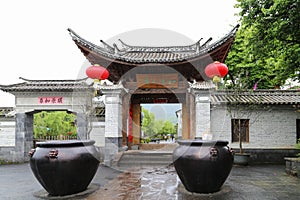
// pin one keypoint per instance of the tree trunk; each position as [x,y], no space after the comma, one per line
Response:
[240,136]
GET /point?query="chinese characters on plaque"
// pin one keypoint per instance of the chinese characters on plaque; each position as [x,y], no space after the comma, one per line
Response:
[157,80]
[50,100]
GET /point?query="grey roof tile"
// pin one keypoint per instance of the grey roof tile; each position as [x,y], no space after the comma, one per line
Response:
[47,85]
[257,97]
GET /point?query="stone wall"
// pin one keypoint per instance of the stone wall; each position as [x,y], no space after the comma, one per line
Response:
[270,127]
[98,133]
[7,139]
[269,155]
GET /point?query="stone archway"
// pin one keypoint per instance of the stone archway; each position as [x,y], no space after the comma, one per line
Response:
[54,125]
[25,131]
[132,111]
[35,95]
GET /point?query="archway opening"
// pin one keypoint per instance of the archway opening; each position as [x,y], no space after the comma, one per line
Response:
[54,125]
[160,122]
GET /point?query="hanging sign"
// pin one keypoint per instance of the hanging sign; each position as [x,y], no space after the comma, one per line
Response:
[160,100]
[157,80]
[50,100]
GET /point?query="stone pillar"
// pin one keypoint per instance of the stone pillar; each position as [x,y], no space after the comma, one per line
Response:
[202,101]
[24,137]
[81,123]
[113,124]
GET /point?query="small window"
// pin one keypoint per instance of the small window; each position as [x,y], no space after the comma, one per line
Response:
[240,126]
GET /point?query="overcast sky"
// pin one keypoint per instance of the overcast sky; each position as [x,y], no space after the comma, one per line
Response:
[35,43]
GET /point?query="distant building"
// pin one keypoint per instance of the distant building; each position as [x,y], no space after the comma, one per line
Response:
[179,123]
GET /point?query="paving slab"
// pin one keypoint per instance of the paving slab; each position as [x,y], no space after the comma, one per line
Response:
[259,182]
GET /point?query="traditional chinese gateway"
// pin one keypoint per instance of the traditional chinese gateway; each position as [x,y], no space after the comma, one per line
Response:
[144,74]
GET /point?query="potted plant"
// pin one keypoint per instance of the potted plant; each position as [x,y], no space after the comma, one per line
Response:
[241,158]
[243,113]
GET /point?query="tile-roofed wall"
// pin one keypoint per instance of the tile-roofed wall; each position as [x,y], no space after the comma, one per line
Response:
[47,85]
[257,97]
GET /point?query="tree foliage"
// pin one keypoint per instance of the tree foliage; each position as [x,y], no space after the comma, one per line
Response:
[54,124]
[167,128]
[156,128]
[148,123]
[266,49]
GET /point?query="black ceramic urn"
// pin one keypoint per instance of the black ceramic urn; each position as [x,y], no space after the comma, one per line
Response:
[203,166]
[64,167]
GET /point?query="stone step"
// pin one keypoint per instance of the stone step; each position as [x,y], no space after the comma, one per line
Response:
[145,158]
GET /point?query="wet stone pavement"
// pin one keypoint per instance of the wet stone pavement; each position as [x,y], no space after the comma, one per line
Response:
[262,182]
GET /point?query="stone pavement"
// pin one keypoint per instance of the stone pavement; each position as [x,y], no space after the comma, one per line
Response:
[261,182]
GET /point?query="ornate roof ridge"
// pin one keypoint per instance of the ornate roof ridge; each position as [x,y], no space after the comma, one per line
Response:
[54,80]
[129,53]
[172,48]
[89,44]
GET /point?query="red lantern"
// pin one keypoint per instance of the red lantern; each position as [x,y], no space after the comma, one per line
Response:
[216,69]
[97,72]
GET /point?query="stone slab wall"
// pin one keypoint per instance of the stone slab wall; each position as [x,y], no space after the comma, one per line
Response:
[274,127]
[98,133]
[202,114]
[7,139]
[7,132]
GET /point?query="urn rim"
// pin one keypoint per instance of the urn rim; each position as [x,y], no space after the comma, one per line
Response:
[198,142]
[65,143]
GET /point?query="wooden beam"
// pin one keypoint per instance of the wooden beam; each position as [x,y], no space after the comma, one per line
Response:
[125,114]
[186,118]
[136,127]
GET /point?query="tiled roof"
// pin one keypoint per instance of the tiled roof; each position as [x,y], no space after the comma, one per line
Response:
[257,97]
[190,60]
[5,110]
[146,54]
[47,85]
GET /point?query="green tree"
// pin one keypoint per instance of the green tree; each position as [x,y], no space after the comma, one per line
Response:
[54,124]
[148,124]
[168,128]
[266,49]
[156,128]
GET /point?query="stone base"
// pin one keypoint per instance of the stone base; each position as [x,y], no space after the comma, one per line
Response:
[111,149]
[268,156]
[241,159]
[292,166]
[43,194]
[189,195]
